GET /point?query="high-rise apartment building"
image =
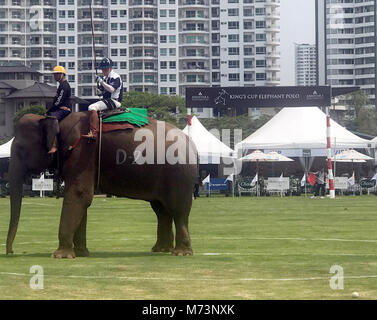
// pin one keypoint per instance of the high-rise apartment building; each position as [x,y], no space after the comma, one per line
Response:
[305,64]
[160,46]
[346,44]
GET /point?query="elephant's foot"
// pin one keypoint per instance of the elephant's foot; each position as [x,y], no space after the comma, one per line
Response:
[162,247]
[81,252]
[179,251]
[64,253]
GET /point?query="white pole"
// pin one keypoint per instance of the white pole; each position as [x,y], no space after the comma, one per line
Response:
[306,178]
[257,182]
[189,121]
[334,156]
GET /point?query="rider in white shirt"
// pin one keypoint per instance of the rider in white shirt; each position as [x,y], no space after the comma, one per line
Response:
[111,88]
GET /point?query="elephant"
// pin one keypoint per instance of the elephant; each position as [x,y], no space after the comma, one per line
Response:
[167,186]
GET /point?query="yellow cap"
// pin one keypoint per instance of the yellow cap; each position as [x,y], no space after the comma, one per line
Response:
[59,69]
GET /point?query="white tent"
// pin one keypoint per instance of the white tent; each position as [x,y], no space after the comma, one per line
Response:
[5,149]
[298,129]
[210,148]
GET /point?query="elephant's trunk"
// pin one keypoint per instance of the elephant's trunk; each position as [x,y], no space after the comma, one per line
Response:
[16,174]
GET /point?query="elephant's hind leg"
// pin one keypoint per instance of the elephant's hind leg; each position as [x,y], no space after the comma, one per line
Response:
[180,212]
[165,236]
[182,237]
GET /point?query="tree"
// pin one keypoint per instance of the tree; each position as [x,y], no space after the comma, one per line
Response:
[366,121]
[363,115]
[4,139]
[356,101]
[33,109]
[160,107]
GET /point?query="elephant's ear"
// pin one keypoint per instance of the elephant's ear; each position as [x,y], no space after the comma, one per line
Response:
[50,129]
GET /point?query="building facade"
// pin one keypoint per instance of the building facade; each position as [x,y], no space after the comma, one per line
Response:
[347,43]
[159,46]
[13,79]
[305,64]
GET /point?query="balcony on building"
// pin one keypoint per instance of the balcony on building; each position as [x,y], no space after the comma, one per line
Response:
[141,66]
[141,3]
[194,67]
[16,3]
[97,15]
[193,14]
[143,14]
[193,79]
[143,54]
[187,53]
[193,3]
[193,27]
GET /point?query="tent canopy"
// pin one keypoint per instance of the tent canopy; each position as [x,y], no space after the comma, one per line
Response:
[301,128]
[210,148]
[5,149]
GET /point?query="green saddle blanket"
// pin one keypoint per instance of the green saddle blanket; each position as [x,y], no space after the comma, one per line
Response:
[136,116]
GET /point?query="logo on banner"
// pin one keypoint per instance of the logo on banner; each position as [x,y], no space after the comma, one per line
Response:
[315,96]
[221,99]
[200,97]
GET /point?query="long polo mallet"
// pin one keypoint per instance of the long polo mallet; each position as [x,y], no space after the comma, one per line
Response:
[93,39]
[95,66]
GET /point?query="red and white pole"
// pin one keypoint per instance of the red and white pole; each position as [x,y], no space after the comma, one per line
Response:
[189,120]
[329,163]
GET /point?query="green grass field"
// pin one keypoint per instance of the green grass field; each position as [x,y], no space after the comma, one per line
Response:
[244,248]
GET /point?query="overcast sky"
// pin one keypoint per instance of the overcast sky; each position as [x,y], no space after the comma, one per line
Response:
[297,24]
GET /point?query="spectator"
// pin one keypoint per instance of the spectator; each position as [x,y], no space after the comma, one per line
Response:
[320,184]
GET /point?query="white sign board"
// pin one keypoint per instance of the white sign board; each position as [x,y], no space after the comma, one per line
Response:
[278,184]
[43,185]
[339,183]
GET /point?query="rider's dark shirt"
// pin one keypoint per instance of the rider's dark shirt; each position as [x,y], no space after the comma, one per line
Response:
[62,98]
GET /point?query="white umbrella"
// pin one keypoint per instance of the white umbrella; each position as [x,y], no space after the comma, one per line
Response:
[259,156]
[276,157]
[256,156]
[351,156]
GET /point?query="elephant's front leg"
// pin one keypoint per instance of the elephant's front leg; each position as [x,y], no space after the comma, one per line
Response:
[79,239]
[72,228]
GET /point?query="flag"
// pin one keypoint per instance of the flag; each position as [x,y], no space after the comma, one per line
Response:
[230,178]
[374,177]
[189,120]
[254,180]
[42,178]
[207,179]
[303,180]
[351,180]
[312,178]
